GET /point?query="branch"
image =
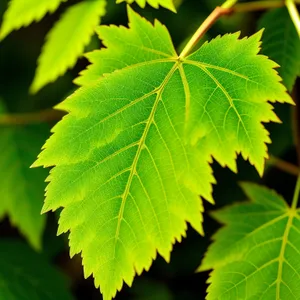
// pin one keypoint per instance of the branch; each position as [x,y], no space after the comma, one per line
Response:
[257,5]
[29,118]
[283,165]
[230,7]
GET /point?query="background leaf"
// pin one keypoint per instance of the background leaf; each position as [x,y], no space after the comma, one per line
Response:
[133,154]
[257,258]
[281,43]
[22,189]
[24,274]
[21,13]
[66,41]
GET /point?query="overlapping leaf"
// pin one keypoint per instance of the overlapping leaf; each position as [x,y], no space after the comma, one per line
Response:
[256,254]
[21,188]
[26,275]
[282,44]
[132,155]
[66,41]
[155,3]
[22,13]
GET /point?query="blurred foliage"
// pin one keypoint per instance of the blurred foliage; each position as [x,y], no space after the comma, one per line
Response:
[29,276]
[18,57]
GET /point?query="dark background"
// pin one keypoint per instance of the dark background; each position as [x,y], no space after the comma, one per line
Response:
[176,280]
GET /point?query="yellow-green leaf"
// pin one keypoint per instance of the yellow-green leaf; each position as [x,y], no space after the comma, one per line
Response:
[133,155]
[154,3]
[256,254]
[66,41]
[21,13]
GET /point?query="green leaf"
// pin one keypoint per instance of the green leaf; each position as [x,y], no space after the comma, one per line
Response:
[256,254]
[132,155]
[22,189]
[21,13]
[25,275]
[282,44]
[154,3]
[66,41]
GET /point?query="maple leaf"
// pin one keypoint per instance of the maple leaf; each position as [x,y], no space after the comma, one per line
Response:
[133,154]
[256,254]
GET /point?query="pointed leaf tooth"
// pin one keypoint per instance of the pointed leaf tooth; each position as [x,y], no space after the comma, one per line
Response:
[154,3]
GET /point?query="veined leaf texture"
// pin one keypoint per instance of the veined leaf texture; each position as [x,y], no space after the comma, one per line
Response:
[133,155]
[257,259]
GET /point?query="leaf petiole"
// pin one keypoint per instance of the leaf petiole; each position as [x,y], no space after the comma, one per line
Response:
[230,7]
[283,165]
[46,115]
[208,22]
[257,5]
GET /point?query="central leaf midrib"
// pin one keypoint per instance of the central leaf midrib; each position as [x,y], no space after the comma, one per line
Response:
[285,239]
[159,91]
[291,214]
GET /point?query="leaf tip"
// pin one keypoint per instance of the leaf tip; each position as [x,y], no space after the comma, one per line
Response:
[201,268]
[261,170]
[4,32]
[37,163]
[34,87]
[172,8]
[133,16]
[34,165]
[45,209]
[2,36]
